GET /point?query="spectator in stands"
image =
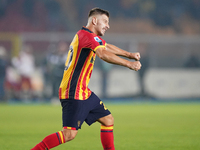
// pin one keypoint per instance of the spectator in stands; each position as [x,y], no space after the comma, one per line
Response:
[105,67]
[55,64]
[3,66]
[47,70]
[142,48]
[12,84]
[25,65]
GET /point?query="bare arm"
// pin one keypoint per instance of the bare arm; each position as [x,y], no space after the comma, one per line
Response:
[110,57]
[120,52]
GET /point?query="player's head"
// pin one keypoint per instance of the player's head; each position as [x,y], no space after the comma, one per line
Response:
[98,11]
[99,20]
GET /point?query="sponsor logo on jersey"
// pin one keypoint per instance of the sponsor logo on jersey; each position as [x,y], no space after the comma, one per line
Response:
[97,39]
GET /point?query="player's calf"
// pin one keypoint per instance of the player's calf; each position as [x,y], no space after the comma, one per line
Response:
[107,138]
[50,141]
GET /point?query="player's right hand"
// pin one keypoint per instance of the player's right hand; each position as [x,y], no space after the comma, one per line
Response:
[135,56]
[136,65]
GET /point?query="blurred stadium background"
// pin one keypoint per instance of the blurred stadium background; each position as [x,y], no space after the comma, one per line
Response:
[35,35]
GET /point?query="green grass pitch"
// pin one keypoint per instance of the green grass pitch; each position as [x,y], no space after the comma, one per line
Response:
[146,126]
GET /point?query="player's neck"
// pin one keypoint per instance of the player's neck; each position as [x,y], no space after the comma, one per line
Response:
[91,28]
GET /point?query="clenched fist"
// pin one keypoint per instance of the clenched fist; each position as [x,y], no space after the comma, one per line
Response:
[135,56]
[134,65]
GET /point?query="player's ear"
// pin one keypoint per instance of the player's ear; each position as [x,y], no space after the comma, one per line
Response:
[94,21]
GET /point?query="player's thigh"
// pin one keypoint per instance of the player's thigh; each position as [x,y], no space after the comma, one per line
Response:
[97,111]
[73,114]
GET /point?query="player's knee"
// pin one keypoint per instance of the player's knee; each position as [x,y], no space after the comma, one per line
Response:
[109,120]
[71,137]
[69,134]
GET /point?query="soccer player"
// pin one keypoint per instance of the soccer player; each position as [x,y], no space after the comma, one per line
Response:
[78,102]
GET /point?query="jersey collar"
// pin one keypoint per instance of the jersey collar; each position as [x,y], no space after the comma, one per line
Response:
[86,29]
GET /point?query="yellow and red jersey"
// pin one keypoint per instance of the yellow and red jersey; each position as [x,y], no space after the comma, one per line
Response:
[79,65]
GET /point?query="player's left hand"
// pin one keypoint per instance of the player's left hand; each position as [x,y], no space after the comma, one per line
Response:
[135,56]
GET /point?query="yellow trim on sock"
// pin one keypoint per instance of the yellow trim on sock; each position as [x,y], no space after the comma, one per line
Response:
[61,136]
[107,127]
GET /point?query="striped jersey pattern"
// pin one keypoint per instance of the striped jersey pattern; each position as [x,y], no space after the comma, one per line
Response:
[79,65]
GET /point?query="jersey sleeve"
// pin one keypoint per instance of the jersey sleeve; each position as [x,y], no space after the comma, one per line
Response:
[96,42]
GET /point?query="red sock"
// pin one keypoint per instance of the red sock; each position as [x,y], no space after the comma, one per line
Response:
[107,138]
[50,141]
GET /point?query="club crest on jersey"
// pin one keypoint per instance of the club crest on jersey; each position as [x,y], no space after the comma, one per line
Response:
[97,39]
